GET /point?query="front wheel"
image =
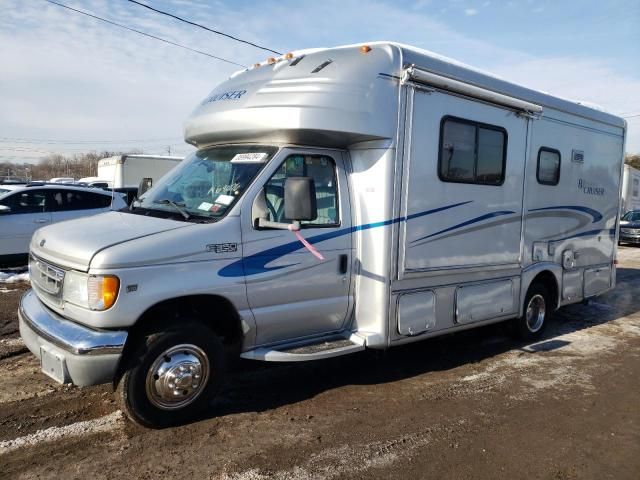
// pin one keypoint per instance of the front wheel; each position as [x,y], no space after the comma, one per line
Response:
[173,377]
[537,309]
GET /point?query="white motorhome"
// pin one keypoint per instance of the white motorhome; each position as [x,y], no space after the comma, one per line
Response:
[129,170]
[630,189]
[343,199]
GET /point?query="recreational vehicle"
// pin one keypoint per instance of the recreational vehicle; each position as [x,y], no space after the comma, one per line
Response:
[343,199]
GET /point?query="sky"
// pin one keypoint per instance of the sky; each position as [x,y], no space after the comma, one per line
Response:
[72,84]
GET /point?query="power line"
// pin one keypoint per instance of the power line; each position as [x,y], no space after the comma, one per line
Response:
[81,142]
[632,116]
[205,28]
[145,34]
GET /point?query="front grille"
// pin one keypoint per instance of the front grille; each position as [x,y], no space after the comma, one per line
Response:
[47,280]
[630,231]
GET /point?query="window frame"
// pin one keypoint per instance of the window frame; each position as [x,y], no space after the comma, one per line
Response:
[303,225]
[477,126]
[549,150]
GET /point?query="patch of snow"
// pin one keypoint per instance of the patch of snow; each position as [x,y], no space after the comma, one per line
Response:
[98,425]
[14,277]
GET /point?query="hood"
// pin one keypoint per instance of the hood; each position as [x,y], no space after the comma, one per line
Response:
[73,243]
[627,224]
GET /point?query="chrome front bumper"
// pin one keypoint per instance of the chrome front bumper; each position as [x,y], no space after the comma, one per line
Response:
[68,351]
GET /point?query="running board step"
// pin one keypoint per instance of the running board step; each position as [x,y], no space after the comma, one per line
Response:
[323,348]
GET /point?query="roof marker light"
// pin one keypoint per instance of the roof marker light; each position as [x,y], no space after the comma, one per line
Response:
[271,60]
[365,49]
[256,65]
[289,56]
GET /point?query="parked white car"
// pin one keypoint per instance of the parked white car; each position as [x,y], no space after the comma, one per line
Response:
[25,208]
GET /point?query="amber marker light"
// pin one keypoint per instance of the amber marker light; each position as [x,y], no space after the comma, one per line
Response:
[365,49]
[103,291]
[271,60]
[289,56]
[256,65]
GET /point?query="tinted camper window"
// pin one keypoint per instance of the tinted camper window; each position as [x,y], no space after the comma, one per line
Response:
[548,172]
[471,152]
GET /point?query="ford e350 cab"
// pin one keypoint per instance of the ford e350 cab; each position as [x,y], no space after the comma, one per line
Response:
[339,199]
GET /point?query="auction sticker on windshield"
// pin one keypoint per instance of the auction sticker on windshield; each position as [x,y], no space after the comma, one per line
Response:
[250,157]
[224,199]
[205,206]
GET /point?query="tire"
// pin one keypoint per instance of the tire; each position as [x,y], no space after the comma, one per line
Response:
[173,377]
[536,312]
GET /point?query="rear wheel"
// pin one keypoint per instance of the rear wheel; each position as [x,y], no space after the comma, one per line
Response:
[537,308]
[173,376]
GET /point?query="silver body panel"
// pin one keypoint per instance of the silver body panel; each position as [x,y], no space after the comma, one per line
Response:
[424,257]
[69,352]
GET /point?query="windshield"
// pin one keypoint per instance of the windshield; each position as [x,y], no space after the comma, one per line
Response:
[632,216]
[207,183]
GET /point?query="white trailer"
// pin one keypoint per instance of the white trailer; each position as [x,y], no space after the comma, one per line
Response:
[630,189]
[359,197]
[129,170]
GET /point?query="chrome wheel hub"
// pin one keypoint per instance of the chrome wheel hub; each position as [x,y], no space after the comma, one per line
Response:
[177,377]
[535,313]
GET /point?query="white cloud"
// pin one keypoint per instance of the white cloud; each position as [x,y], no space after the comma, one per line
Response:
[470,12]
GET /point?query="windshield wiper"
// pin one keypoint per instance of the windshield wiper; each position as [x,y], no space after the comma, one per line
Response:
[177,206]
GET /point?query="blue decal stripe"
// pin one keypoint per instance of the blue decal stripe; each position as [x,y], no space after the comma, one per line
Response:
[468,222]
[597,216]
[610,231]
[256,263]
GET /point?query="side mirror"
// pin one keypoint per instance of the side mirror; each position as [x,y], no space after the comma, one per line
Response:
[299,204]
[300,199]
[145,184]
[4,209]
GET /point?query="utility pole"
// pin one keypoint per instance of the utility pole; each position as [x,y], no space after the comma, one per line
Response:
[169,149]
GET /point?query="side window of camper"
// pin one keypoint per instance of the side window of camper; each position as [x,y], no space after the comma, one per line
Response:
[548,172]
[471,152]
[322,170]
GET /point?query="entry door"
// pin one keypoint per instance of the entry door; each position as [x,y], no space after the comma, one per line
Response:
[293,294]
[464,176]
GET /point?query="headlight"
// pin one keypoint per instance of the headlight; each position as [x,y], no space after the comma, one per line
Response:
[97,292]
[75,289]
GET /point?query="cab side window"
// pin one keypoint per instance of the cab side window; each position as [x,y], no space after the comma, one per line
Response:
[32,201]
[322,170]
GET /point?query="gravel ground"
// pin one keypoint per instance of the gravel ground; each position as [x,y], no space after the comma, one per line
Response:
[472,405]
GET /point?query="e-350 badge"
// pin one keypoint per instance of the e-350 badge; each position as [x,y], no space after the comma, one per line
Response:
[222,247]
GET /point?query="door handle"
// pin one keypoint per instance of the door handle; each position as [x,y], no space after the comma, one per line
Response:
[343,262]
[41,220]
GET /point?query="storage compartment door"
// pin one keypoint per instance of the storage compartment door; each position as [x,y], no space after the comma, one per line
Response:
[572,285]
[481,302]
[596,280]
[416,312]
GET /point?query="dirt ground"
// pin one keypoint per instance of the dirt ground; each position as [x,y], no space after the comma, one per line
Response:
[476,405]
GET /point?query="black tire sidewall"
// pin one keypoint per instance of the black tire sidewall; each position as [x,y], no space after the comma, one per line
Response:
[132,386]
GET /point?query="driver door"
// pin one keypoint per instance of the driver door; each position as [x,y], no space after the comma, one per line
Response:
[293,294]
